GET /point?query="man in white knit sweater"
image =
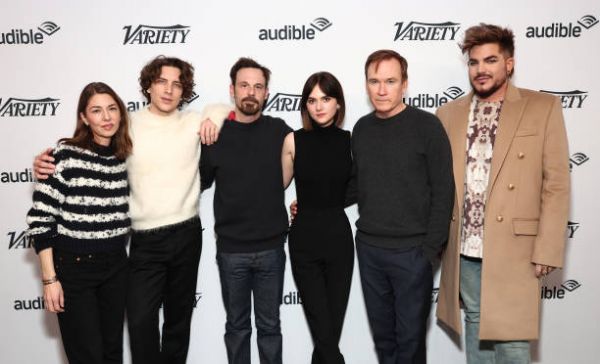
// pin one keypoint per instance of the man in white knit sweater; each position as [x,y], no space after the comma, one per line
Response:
[164,195]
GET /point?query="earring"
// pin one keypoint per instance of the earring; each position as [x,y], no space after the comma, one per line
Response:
[85,122]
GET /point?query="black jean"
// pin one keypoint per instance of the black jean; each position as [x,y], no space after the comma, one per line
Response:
[259,275]
[164,270]
[397,285]
[95,288]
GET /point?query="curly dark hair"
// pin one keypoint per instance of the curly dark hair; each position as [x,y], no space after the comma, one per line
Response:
[151,72]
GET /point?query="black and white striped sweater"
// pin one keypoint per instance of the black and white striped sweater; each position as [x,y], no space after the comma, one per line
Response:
[83,207]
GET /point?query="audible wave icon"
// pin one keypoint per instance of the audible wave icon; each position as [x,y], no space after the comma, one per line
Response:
[48,27]
[571,285]
[192,98]
[588,21]
[321,24]
[454,92]
[579,158]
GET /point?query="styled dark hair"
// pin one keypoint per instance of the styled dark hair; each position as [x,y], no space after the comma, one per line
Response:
[383,55]
[151,72]
[83,136]
[245,62]
[489,33]
[330,87]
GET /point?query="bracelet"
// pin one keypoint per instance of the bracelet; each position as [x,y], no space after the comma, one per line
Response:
[46,282]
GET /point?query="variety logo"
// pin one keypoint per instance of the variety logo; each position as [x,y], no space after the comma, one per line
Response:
[570,99]
[572,227]
[577,159]
[426,31]
[283,102]
[151,34]
[197,299]
[29,36]
[292,298]
[20,241]
[14,107]
[559,292]
[34,304]
[295,32]
[434,100]
[25,175]
[435,295]
[562,30]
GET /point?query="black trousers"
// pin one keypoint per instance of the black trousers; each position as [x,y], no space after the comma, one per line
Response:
[397,285]
[164,270]
[95,287]
[322,258]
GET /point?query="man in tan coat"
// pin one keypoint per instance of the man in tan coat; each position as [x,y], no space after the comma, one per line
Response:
[511,170]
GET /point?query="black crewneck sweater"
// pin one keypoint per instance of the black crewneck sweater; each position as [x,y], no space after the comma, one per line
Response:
[245,165]
[403,181]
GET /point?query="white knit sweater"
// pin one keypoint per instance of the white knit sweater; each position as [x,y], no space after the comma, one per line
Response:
[163,168]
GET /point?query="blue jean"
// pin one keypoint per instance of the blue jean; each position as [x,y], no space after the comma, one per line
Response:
[258,274]
[397,285]
[484,351]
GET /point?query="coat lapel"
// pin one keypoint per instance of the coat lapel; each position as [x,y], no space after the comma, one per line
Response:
[510,117]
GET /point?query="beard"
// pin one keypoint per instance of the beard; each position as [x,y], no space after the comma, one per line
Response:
[249,106]
[484,94]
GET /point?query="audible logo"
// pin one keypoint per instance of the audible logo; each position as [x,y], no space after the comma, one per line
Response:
[562,30]
[426,100]
[577,159]
[29,36]
[559,292]
[295,32]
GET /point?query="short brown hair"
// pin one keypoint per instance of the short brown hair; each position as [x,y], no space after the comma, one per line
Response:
[488,33]
[330,87]
[151,72]
[83,136]
[245,62]
[383,55]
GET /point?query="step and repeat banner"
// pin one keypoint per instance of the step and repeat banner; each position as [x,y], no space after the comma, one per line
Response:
[49,50]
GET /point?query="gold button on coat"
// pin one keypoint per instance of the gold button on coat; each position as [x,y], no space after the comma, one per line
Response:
[511,186]
[521,155]
[499,218]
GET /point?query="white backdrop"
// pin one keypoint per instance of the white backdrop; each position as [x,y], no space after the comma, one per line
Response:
[50,50]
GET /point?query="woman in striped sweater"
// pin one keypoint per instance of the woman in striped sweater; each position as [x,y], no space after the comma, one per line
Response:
[79,224]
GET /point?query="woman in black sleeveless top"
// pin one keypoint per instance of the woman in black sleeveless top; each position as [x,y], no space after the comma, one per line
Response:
[320,240]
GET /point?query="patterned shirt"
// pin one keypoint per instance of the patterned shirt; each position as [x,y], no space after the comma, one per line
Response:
[481,134]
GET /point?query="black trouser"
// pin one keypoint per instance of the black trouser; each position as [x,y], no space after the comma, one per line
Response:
[164,270]
[397,285]
[322,257]
[95,287]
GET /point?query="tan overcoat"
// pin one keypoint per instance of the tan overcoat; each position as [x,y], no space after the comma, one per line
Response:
[526,212]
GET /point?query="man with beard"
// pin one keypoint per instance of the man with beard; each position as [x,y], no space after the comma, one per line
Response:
[511,169]
[250,217]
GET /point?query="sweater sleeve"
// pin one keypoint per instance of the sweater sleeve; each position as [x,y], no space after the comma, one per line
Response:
[441,180]
[217,113]
[352,187]
[207,170]
[48,198]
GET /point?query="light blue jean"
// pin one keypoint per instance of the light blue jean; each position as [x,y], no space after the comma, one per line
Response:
[484,351]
